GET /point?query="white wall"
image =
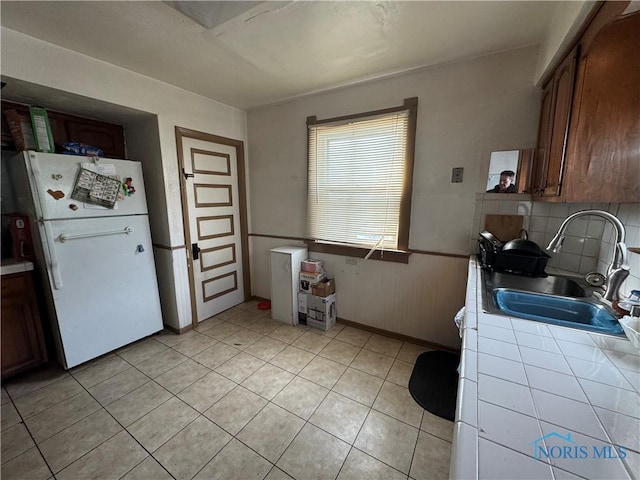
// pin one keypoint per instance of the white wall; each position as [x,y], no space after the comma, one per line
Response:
[567,20]
[26,58]
[466,110]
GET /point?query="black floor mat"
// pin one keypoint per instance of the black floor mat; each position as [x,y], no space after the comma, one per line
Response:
[434,383]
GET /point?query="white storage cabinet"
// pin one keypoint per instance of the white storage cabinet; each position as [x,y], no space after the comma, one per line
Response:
[285,280]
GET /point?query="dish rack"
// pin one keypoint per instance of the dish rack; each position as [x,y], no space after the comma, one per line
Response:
[492,257]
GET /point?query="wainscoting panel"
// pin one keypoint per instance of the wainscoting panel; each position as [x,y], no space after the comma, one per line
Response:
[418,299]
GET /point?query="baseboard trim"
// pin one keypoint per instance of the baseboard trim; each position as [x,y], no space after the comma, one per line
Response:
[179,331]
[361,326]
[397,336]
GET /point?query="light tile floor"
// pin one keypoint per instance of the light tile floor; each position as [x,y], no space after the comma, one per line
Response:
[240,397]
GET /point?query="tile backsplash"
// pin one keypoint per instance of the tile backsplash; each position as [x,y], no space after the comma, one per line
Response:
[589,241]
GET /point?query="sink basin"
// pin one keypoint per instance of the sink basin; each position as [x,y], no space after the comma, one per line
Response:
[551,284]
[557,310]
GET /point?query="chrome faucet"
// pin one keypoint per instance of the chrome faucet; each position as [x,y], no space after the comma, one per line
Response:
[618,271]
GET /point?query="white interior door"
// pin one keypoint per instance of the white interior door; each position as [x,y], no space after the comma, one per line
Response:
[211,186]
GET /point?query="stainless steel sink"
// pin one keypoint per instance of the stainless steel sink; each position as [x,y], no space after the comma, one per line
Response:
[552,299]
[564,311]
[550,285]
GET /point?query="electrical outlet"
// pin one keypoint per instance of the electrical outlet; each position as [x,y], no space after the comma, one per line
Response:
[351,261]
[456,175]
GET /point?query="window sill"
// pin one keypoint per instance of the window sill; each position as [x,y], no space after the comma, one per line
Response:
[349,251]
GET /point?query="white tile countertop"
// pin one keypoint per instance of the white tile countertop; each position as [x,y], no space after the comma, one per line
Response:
[10,266]
[542,401]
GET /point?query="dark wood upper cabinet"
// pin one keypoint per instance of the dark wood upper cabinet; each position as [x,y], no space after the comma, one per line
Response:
[543,150]
[70,128]
[108,137]
[589,130]
[562,96]
[603,159]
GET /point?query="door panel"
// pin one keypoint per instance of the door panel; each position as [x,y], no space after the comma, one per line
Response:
[214,215]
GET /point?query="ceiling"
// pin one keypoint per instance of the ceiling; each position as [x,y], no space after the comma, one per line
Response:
[252,54]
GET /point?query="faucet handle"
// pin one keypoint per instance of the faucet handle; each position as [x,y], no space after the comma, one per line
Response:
[595,279]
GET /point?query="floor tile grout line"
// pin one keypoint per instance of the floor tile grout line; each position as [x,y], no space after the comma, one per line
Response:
[415,447]
[232,380]
[126,428]
[234,436]
[297,374]
[331,389]
[108,378]
[200,414]
[252,418]
[212,458]
[92,449]
[42,411]
[371,408]
[69,375]
[307,420]
[65,374]
[71,424]
[31,436]
[123,428]
[353,445]
[151,454]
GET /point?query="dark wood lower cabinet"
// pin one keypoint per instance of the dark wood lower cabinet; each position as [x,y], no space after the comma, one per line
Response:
[23,345]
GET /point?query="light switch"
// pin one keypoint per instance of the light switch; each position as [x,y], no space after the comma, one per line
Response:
[456,175]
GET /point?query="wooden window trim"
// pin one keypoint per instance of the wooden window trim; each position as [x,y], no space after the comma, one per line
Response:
[402,254]
[358,252]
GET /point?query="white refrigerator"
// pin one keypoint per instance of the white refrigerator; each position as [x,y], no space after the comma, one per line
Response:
[96,259]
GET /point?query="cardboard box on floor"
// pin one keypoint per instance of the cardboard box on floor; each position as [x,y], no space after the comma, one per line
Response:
[309,279]
[324,288]
[317,312]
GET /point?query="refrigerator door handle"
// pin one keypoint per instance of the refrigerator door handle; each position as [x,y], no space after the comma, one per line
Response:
[34,172]
[65,237]
[51,257]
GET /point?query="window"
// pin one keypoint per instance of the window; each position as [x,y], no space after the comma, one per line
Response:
[359,178]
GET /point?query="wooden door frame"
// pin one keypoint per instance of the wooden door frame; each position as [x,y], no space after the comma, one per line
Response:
[181,133]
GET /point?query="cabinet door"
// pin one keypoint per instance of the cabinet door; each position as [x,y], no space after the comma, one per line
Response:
[22,341]
[110,138]
[69,128]
[562,96]
[544,133]
[603,159]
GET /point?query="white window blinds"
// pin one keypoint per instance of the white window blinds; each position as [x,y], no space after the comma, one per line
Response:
[356,180]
